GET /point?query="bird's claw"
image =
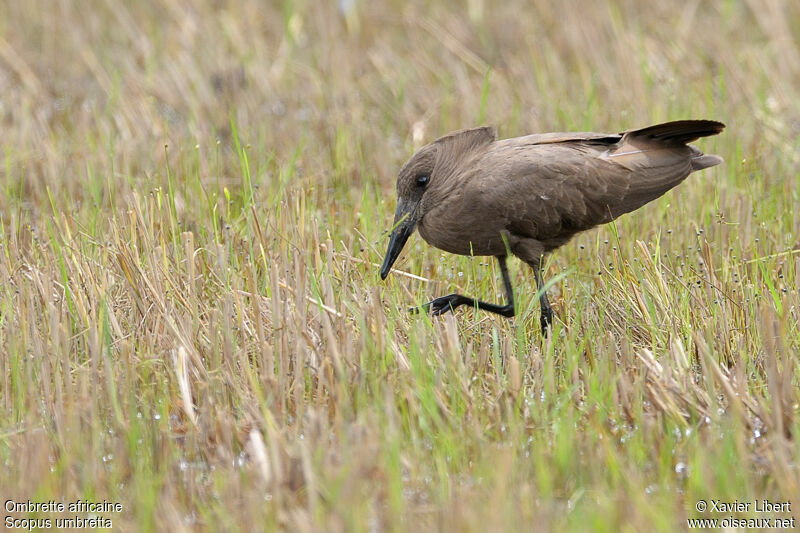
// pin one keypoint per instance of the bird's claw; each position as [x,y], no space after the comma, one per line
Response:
[441,305]
[438,306]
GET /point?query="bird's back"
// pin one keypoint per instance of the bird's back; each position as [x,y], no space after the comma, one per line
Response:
[551,186]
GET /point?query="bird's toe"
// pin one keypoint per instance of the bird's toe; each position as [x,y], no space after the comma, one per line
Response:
[441,306]
[420,309]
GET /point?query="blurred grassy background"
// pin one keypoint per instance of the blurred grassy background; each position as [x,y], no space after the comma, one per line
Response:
[194,201]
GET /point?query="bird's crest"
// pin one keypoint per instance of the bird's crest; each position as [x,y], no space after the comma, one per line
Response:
[462,141]
[457,148]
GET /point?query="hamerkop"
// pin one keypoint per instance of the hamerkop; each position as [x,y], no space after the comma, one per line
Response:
[470,194]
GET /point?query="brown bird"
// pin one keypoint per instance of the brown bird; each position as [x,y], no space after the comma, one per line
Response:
[470,194]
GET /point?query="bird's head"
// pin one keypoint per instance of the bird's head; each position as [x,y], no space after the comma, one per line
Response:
[423,180]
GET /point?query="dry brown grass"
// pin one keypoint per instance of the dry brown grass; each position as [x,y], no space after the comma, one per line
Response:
[191,320]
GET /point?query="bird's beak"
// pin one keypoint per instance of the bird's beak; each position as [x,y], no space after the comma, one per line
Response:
[405,221]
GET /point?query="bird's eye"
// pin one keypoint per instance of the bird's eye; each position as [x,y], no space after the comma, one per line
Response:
[423,180]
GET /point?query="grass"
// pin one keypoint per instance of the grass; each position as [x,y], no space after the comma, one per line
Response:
[194,205]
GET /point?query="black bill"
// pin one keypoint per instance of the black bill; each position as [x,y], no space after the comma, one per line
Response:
[402,231]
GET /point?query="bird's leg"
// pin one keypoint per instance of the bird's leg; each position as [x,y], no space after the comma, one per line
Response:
[546,319]
[447,303]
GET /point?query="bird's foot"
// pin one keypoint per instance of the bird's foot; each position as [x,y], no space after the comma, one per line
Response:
[546,320]
[441,305]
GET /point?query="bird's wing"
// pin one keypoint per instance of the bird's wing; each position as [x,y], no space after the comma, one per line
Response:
[549,191]
[559,137]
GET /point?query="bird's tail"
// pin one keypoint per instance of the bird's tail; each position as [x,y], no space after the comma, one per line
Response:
[681,132]
[701,160]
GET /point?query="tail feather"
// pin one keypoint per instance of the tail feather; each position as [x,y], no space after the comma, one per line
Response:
[679,131]
[704,161]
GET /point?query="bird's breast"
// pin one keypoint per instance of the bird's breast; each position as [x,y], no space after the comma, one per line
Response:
[462,237]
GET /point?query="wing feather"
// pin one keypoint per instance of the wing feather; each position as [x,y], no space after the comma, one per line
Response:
[551,191]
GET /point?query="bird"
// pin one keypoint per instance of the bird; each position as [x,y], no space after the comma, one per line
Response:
[469,193]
